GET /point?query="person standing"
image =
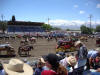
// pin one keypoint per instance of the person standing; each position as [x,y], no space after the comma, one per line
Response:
[82,54]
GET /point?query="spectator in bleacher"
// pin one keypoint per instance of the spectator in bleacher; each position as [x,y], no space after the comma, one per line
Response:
[52,62]
[17,67]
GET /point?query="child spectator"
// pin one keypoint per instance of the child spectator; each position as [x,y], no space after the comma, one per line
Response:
[39,68]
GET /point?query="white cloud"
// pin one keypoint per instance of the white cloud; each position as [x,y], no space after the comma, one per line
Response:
[65,22]
[82,12]
[60,22]
[98,5]
[75,6]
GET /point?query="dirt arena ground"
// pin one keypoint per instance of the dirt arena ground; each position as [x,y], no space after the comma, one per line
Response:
[43,47]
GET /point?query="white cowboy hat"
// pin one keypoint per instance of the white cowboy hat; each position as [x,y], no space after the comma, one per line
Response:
[17,67]
[71,60]
[77,43]
[42,60]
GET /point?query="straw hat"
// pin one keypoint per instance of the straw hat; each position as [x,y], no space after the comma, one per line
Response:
[71,60]
[17,67]
[77,43]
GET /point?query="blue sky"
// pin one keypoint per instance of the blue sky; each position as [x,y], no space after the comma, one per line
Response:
[60,12]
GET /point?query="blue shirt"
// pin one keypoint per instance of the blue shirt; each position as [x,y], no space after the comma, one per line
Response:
[95,73]
[92,54]
[2,72]
[38,71]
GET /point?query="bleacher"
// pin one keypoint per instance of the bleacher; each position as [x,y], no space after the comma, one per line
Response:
[25,29]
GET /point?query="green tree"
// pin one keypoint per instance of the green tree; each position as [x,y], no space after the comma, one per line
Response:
[3,26]
[86,30]
[67,29]
[97,28]
[47,27]
[56,28]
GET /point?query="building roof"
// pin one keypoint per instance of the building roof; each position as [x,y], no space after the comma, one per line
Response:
[25,23]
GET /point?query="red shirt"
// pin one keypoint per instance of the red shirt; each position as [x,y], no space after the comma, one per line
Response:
[48,72]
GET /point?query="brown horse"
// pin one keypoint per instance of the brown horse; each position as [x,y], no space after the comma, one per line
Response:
[32,40]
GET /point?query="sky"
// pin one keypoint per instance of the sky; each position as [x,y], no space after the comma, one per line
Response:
[59,12]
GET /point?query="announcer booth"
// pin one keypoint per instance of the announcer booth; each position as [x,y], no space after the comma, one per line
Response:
[22,26]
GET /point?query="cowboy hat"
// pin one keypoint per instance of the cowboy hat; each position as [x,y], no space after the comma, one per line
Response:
[77,43]
[17,67]
[71,60]
[42,60]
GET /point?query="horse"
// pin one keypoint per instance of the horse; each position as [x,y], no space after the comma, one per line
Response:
[12,37]
[25,49]
[32,40]
[18,36]
[24,42]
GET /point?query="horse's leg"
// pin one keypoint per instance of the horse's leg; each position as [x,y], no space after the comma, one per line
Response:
[28,53]
[0,52]
[25,53]
[19,51]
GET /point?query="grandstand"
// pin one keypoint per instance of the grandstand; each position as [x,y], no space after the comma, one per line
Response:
[22,26]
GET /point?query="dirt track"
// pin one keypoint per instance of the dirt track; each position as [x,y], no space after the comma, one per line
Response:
[43,47]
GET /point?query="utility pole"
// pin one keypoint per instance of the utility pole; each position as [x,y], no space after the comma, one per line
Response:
[2,16]
[48,20]
[90,16]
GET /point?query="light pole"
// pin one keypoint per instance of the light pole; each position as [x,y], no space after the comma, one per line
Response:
[90,17]
[2,16]
[48,20]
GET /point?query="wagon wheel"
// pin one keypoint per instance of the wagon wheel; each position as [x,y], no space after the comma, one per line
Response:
[12,51]
[8,50]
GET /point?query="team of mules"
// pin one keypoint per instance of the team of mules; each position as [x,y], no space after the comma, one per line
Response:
[24,47]
[24,50]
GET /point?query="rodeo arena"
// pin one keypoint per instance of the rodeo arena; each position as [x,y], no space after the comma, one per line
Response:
[27,49]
